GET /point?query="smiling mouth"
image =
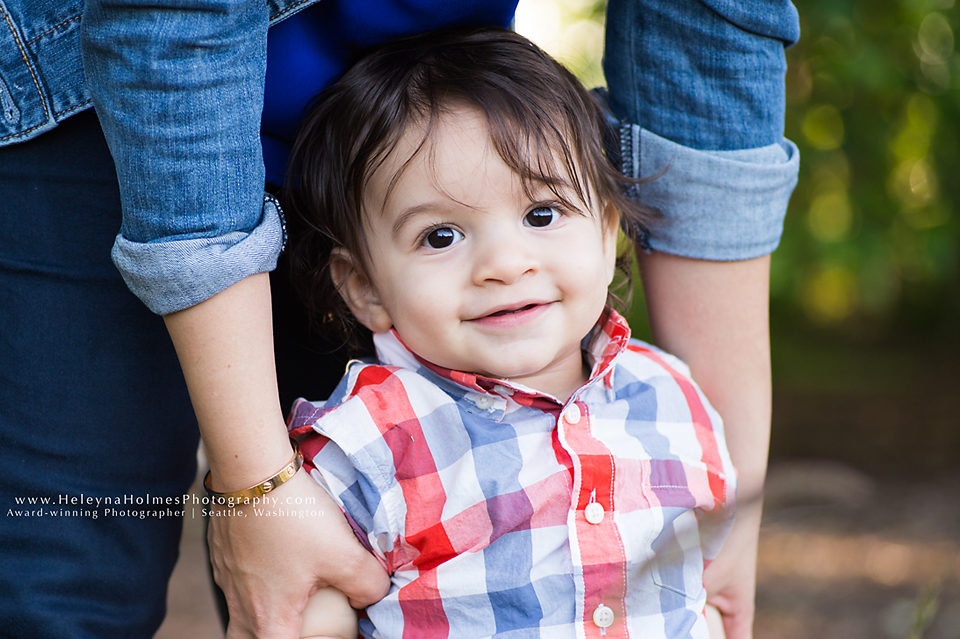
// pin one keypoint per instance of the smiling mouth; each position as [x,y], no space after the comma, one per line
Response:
[513,311]
[509,318]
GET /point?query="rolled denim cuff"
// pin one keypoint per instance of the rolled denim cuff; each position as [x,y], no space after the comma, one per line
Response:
[717,205]
[171,275]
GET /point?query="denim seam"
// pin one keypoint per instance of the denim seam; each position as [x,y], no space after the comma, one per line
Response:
[33,76]
[52,29]
[288,10]
[269,197]
[75,107]
[22,133]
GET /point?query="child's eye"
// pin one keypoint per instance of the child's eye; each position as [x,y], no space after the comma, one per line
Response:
[541,216]
[442,237]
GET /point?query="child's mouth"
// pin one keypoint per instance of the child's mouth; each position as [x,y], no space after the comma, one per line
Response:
[506,318]
[512,311]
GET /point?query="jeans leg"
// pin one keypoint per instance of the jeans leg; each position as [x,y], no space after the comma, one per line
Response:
[92,405]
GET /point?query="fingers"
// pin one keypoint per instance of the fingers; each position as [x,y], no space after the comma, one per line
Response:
[269,558]
[734,608]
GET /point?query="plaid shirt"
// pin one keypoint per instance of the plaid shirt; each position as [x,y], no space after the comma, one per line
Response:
[501,511]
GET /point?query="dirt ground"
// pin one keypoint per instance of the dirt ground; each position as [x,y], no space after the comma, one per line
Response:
[844,556]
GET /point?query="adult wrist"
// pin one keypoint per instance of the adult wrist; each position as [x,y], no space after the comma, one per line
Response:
[259,490]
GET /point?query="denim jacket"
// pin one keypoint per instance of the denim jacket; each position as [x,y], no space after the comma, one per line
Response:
[177,83]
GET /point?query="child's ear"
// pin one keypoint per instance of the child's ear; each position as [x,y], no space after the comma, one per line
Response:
[358,292]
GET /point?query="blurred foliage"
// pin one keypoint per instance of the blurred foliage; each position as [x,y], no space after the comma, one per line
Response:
[872,237]
[871,244]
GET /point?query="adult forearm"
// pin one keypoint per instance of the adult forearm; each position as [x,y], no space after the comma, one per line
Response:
[225,346]
[714,315]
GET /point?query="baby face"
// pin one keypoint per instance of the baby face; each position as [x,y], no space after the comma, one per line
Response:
[474,273]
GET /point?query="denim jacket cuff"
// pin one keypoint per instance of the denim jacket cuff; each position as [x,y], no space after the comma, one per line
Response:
[716,205]
[172,275]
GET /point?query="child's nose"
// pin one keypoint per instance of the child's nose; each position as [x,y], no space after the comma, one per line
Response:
[504,259]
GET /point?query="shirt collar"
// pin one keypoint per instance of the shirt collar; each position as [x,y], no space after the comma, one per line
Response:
[601,347]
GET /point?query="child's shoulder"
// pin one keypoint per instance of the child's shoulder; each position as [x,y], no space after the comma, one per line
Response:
[369,393]
[667,375]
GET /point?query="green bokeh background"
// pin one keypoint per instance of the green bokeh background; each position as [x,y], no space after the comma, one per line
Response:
[870,248]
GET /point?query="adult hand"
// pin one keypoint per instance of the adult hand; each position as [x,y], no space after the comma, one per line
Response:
[268,564]
[730,579]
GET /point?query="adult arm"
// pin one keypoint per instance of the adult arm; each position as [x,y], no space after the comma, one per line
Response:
[178,87]
[267,566]
[713,315]
[705,81]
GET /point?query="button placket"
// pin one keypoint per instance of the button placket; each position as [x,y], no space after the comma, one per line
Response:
[597,468]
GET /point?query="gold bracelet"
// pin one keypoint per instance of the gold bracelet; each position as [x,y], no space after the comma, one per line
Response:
[246,495]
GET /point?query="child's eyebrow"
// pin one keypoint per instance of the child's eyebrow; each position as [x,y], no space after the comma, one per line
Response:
[409,213]
[552,186]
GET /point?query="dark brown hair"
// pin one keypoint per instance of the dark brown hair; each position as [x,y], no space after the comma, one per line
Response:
[542,122]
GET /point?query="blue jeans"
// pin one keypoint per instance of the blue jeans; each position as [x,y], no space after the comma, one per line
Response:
[702,84]
[92,404]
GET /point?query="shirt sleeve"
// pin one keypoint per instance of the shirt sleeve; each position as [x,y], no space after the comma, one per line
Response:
[330,467]
[711,477]
[714,520]
[344,453]
[178,87]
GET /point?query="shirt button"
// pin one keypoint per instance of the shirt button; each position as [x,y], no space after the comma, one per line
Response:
[593,513]
[502,390]
[572,414]
[603,616]
[483,402]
